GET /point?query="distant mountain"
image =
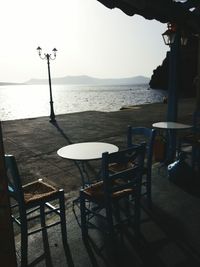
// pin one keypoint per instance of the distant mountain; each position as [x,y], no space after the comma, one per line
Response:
[8,83]
[84,79]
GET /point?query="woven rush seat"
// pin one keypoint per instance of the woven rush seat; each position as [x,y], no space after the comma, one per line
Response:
[96,192]
[37,190]
[118,167]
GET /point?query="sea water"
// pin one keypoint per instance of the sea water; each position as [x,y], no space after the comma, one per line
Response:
[30,101]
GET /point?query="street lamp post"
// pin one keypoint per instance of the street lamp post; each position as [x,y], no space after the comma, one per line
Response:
[48,57]
[173,37]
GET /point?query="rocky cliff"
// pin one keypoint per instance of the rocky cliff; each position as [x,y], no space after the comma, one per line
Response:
[188,70]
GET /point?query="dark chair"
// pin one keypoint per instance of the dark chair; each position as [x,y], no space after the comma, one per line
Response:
[27,200]
[102,203]
[137,135]
[192,139]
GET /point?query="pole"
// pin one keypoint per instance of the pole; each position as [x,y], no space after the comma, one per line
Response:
[174,79]
[52,114]
[173,90]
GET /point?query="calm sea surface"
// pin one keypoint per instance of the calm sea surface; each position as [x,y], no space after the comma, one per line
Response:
[29,101]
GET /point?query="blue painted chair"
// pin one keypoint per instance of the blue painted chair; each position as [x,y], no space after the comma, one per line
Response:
[101,203]
[137,135]
[192,139]
[32,202]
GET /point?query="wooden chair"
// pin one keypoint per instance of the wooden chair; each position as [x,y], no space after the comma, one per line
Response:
[135,136]
[29,199]
[146,135]
[101,203]
[192,139]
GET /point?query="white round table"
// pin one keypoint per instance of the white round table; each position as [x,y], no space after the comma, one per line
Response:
[171,125]
[83,152]
[86,151]
[171,128]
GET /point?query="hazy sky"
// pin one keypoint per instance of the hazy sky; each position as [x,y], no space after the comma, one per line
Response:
[90,38]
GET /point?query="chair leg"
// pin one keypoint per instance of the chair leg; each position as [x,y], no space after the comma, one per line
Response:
[110,223]
[193,157]
[24,241]
[127,209]
[148,185]
[42,220]
[84,229]
[137,219]
[44,235]
[198,159]
[63,218]
[116,208]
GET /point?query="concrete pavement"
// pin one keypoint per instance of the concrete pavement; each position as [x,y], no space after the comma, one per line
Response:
[171,235]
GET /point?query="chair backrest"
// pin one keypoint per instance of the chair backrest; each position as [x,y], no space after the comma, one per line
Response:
[14,180]
[129,178]
[136,135]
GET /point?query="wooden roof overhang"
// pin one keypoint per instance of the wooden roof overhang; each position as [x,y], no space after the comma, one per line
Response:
[185,14]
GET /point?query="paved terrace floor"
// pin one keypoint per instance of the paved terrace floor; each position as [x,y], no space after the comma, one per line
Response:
[171,235]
